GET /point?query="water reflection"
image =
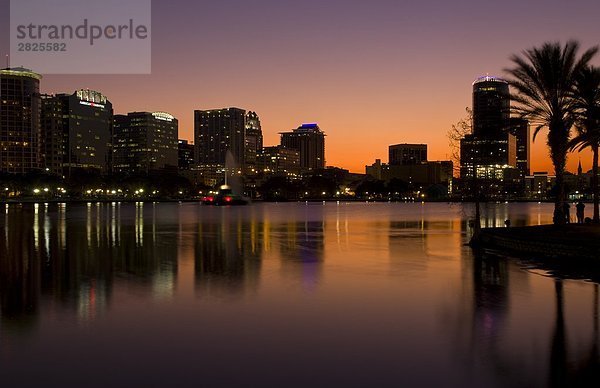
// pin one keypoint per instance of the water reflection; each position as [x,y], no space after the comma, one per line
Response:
[228,256]
[302,250]
[37,263]
[382,290]
[500,343]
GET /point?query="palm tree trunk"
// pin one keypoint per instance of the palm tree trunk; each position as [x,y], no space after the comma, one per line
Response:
[595,188]
[559,214]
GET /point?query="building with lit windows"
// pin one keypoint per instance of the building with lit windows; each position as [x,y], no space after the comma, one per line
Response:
[186,155]
[145,142]
[519,128]
[217,132]
[77,132]
[538,185]
[309,141]
[491,149]
[20,130]
[424,174]
[407,154]
[254,141]
[279,160]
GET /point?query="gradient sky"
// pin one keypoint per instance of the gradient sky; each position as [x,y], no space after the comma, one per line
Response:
[370,73]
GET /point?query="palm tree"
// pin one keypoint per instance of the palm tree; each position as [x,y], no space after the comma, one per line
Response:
[587,104]
[544,79]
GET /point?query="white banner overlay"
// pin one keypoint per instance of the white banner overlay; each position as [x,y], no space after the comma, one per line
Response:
[81,37]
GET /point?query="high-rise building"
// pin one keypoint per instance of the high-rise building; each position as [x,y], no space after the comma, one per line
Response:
[491,149]
[407,154]
[279,160]
[217,132]
[309,140]
[145,142]
[186,155]
[77,132]
[20,130]
[520,129]
[491,107]
[254,141]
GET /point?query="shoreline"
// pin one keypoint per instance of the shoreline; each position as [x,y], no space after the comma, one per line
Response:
[577,242]
[312,200]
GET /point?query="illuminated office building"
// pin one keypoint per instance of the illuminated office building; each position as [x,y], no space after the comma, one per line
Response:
[520,129]
[20,130]
[77,132]
[145,142]
[217,132]
[254,141]
[186,155]
[279,160]
[309,141]
[491,149]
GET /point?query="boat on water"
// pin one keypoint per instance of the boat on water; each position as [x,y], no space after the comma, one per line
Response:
[225,197]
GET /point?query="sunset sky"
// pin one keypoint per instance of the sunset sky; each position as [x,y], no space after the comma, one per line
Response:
[370,73]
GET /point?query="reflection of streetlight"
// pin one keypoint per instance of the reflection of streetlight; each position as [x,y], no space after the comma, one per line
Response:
[46,190]
[36,191]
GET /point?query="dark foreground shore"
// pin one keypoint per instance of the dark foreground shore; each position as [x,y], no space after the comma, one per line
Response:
[545,241]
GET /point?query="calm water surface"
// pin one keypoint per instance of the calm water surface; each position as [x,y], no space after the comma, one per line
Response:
[282,295]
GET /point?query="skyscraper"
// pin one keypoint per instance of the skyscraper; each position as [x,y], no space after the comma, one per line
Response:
[217,132]
[491,107]
[491,149]
[186,155]
[77,132]
[520,129]
[309,140]
[254,141]
[145,142]
[19,120]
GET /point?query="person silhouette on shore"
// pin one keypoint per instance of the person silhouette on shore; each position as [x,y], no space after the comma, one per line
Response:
[580,212]
[567,212]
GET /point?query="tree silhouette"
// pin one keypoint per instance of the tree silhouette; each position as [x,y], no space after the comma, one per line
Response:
[544,80]
[587,105]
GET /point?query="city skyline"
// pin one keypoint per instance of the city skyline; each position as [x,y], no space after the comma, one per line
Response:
[353,71]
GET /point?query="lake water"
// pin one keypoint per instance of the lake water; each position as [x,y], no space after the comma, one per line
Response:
[282,295]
